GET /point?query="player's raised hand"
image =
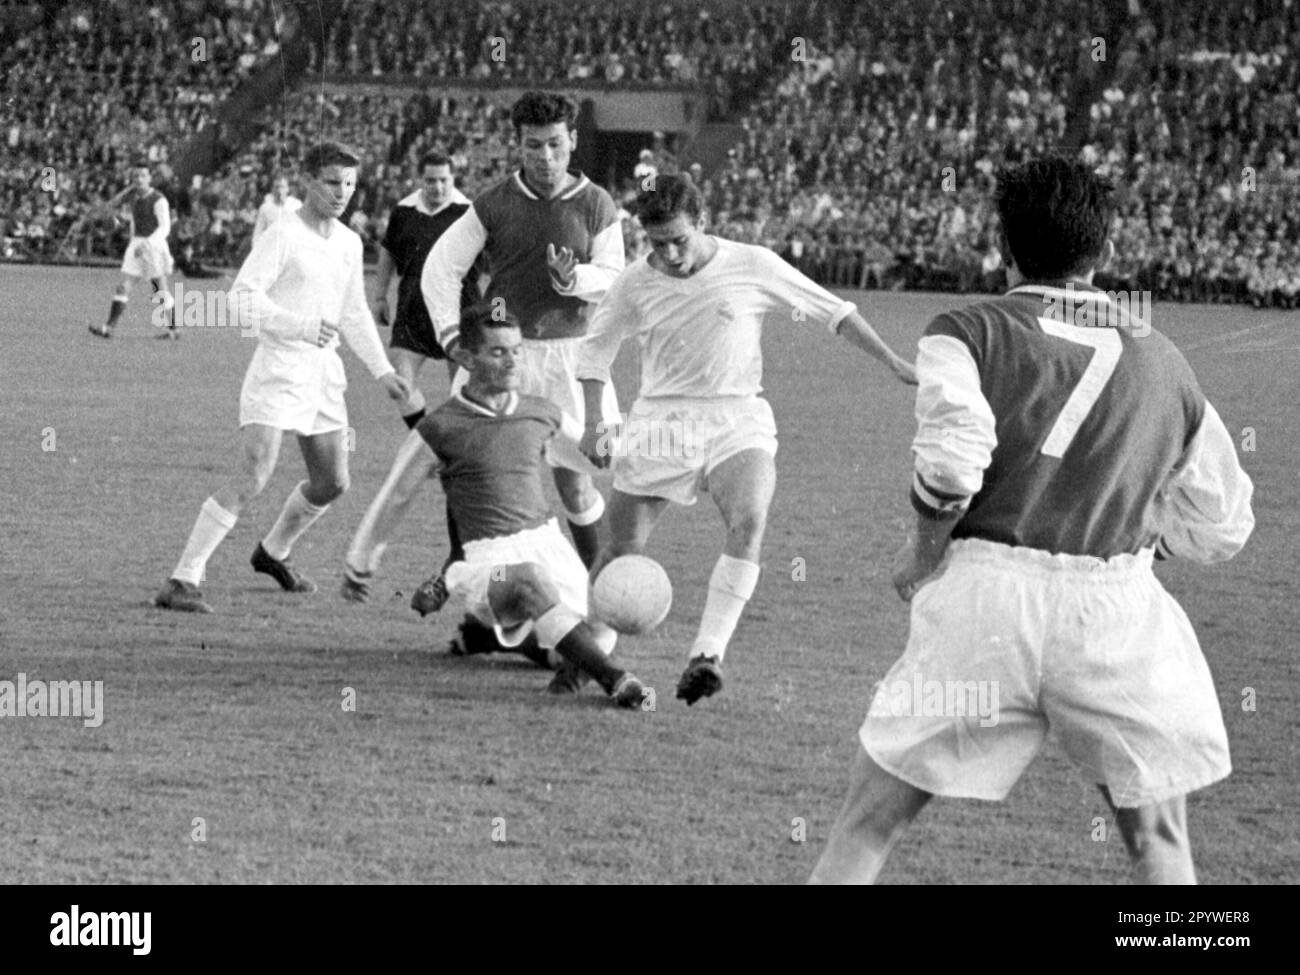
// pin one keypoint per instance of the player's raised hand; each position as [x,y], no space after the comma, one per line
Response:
[326,333]
[594,445]
[562,263]
[395,386]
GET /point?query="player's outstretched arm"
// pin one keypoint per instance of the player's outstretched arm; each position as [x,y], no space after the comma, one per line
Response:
[444,269]
[856,329]
[415,464]
[1205,511]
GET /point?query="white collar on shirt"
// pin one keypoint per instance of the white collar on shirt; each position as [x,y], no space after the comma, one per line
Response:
[416,200]
[512,404]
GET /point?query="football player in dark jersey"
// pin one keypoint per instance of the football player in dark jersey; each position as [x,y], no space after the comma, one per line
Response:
[489,445]
[147,254]
[1062,445]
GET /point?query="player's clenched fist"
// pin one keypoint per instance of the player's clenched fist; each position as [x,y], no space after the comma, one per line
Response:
[325,333]
[395,386]
[594,445]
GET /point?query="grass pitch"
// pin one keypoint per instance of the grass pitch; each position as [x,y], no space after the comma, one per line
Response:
[225,754]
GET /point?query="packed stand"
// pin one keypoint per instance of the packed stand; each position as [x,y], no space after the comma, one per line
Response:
[117,81]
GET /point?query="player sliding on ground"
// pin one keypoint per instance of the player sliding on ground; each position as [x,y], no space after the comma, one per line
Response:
[300,288]
[696,305]
[519,575]
[1060,447]
[554,244]
[147,254]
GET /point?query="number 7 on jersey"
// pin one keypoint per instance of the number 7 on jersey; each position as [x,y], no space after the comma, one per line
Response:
[1107,348]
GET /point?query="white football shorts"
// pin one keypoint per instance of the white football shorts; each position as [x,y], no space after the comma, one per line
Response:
[296,389]
[146,259]
[468,580]
[550,371]
[1009,644]
[669,446]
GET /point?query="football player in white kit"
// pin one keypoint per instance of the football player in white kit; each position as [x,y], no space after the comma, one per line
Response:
[696,306]
[299,290]
[1061,446]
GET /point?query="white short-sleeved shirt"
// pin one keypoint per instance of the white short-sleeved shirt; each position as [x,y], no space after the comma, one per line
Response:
[701,336]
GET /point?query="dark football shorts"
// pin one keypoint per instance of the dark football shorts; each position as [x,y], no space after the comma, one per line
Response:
[413,330]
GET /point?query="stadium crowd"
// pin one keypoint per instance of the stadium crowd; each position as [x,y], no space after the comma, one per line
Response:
[870,134]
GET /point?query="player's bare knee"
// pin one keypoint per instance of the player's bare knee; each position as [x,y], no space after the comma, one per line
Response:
[748,525]
[329,489]
[527,590]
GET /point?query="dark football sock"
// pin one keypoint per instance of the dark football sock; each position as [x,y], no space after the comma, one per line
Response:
[457,553]
[580,647]
[115,311]
[586,539]
[531,649]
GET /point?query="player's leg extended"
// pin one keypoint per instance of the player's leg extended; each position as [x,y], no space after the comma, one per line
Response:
[877,811]
[162,285]
[260,449]
[742,486]
[326,458]
[1156,838]
[631,519]
[120,297]
[524,591]
[583,507]
[408,363]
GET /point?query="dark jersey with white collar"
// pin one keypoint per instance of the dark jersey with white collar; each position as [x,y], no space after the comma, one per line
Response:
[1052,418]
[492,463]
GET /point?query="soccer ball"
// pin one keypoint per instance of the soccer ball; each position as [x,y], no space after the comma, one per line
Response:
[632,594]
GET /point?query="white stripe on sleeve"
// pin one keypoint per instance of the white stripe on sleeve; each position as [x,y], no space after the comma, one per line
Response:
[444,269]
[1205,509]
[956,431]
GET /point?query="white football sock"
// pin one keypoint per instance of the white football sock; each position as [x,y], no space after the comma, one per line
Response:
[295,518]
[213,524]
[604,636]
[730,586]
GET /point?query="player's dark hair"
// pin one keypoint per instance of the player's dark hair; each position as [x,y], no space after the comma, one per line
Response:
[484,315]
[543,108]
[667,196]
[328,154]
[436,158]
[1055,213]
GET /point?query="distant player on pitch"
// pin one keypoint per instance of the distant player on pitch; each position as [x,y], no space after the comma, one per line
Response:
[300,289]
[147,254]
[519,575]
[554,244]
[1060,447]
[696,306]
[414,226]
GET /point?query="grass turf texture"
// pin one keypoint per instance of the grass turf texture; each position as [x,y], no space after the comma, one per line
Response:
[237,718]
